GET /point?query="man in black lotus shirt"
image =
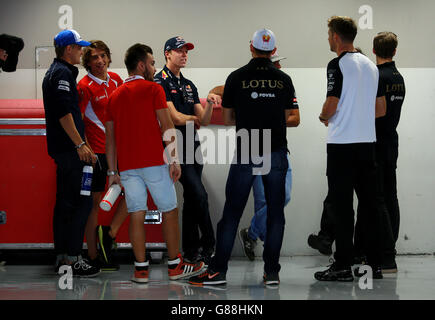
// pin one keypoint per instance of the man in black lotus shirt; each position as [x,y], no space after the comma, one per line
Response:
[66,144]
[188,115]
[257,97]
[387,140]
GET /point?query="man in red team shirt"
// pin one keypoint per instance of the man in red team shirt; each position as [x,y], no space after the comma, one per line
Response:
[94,91]
[137,118]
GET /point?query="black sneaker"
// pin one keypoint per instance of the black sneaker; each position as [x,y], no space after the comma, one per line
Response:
[208,277]
[271,279]
[323,245]
[389,267]
[104,266]
[109,266]
[83,268]
[248,244]
[376,272]
[106,242]
[335,273]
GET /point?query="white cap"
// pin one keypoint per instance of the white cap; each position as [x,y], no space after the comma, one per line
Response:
[263,40]
[275,57]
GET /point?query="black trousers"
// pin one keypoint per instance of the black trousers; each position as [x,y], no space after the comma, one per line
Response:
[386,158]
[327,227]
[196,215]
[71,210]
[352,166]
[387,202]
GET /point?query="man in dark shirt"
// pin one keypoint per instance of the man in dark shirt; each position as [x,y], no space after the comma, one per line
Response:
[354,100]
[258,99]
[384,47]
[387,140]
[66,144]
[188,115]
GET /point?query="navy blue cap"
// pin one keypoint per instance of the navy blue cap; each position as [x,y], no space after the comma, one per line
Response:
[177,43]
[67,37]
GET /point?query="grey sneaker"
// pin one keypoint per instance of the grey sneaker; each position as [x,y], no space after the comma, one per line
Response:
[248,244]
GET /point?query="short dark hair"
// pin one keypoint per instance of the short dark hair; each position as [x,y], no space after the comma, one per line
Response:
[136,53]
[59,50]
[262,52]
[345,27]
[384,44]
[95,44]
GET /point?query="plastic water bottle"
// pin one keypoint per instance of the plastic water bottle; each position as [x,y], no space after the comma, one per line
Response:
[110,198]
[86,180]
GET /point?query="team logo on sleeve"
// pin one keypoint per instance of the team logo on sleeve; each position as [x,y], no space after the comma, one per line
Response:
[63,85]
[331,80]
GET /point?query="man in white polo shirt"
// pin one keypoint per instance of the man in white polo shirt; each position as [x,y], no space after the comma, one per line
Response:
[352,104]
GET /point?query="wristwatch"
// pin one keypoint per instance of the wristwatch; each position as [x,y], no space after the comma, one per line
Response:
[112,172]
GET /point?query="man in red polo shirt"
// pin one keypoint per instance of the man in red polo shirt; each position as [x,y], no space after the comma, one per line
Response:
[136,119]
[94,91]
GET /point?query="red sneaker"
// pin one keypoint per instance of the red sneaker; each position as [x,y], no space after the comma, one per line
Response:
[140,276]
[183,269]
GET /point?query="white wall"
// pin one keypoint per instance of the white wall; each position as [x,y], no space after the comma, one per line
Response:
[416,165]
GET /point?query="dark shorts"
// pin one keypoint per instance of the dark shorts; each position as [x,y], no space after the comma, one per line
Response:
[99,176]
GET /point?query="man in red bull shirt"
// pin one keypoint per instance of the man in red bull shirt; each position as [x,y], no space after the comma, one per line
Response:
[184,106]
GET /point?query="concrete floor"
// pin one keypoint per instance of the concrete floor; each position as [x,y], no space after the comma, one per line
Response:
[415,280]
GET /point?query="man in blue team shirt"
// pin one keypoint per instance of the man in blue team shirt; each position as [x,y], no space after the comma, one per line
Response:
[67,145]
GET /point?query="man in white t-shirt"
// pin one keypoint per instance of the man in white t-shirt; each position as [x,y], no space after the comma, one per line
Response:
[352,104]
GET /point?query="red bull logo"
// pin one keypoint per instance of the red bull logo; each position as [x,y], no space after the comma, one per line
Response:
[266,38]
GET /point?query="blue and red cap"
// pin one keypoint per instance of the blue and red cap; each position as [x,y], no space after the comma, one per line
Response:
[177,43]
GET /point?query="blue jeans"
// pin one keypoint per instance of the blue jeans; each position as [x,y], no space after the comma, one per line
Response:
[258,222]
[156,179]
[238,187]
